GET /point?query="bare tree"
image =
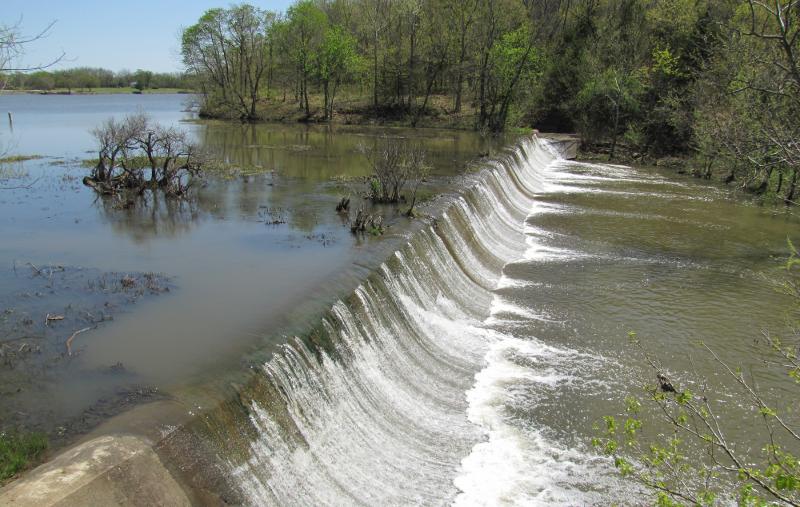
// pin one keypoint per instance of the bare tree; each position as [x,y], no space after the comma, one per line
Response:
[12,46]
[130,149]
[394,163]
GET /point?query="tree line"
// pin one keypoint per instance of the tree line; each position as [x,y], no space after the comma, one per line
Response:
[87,78]
[717,81]
[390,58]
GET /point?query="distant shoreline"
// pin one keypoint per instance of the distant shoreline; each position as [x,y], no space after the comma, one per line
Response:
[100,91]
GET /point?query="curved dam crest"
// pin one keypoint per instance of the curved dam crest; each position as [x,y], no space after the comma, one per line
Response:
[411,403]
[412,391]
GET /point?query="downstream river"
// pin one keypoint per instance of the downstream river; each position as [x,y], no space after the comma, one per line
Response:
[463,358]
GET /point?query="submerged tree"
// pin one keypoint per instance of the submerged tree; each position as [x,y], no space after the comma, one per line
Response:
[394,164]
[136,154]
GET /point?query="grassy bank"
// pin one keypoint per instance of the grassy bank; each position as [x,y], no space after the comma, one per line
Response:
[19,451]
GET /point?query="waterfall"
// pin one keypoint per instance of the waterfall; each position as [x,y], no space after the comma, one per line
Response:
[404,403]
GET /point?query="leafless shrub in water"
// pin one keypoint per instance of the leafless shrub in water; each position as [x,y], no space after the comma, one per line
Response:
[395,164]
[136,154]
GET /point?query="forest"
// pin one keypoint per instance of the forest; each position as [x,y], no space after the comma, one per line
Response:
[713,82]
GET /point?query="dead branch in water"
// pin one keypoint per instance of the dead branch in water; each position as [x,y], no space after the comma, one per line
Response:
[31,184]
[49,317]
[72,337]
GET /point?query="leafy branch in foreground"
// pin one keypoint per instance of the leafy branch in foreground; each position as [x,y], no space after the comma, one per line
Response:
[698,461]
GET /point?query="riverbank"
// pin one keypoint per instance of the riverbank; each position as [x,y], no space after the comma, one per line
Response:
[357,109]
[759,189]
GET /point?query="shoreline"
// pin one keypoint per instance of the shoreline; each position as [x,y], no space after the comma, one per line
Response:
[102,91]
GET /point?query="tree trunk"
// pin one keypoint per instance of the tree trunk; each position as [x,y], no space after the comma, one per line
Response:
[615,131]
[412,64]
[325,94]
[421,110]
[375,74]
[460,75]
[305,93]
[789,199]
[459,86]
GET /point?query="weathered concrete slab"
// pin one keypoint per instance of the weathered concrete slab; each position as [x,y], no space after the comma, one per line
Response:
[567,143]
[109,470]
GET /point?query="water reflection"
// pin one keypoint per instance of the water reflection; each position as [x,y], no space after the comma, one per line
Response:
[153,215]
[321,152]
[298,169]
[251,252]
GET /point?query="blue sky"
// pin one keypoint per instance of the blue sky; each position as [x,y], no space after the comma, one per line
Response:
[115,34]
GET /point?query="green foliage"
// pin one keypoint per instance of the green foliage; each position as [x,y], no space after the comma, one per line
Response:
[610,100]
[336,60]
[375,187]
[516,65]
[678,446]
[229,51]
[18,451]
[717,81]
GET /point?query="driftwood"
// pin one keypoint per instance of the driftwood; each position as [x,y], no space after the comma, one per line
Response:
[38,271]
[29,185]
[49,317]
[99,186]
[72,337]
[344,205]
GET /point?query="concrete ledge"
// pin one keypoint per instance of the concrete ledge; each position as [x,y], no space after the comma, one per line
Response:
[109,470]
[567,143]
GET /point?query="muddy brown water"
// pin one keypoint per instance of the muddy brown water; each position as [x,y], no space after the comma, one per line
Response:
[231,281]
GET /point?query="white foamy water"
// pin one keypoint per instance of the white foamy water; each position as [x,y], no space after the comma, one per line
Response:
[416,398]
[519,465]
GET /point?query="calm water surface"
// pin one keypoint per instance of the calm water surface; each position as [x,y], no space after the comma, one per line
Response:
[237,282]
